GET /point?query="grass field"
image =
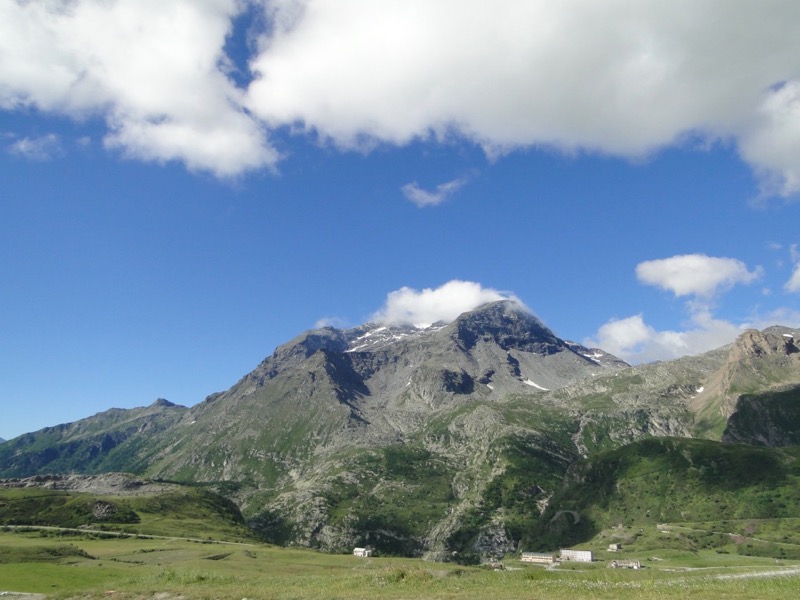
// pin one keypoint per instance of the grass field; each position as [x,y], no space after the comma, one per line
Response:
[81,566]
[190,544]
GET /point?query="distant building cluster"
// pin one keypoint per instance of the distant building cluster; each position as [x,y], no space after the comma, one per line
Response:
[549,558]
[564,555]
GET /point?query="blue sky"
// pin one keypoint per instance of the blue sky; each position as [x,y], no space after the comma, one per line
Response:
[187,185]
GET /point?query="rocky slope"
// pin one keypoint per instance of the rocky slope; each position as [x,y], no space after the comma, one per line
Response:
[106,484]
[758,362]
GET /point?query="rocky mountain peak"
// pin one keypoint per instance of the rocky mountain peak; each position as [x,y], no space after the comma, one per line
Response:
[754,344]
[508,324]
[163,403]
[309,342]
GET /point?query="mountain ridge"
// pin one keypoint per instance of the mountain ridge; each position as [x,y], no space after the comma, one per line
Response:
[426,440]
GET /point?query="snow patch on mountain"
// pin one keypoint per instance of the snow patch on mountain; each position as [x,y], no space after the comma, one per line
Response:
[532,383]
[374,336]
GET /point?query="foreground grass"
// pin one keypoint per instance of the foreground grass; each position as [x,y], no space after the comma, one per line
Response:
[133,568]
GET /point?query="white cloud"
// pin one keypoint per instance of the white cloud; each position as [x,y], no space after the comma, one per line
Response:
[40,148]
[702,278]
[153,69]
[635,341]
[422,197]
[695,274]
[336,322]
[618,76]
[619,336]
[445,303]
[624,77]
[772,141]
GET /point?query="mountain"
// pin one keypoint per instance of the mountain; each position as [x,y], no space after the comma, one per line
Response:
[450,438]
[116,439]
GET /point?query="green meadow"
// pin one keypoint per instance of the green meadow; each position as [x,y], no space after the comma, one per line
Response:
[189,543]
[86,565]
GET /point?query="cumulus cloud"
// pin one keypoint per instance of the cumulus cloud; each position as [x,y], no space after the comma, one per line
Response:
[702,278]
[619,76]
[153,69]
[622,77]
[39,148]
[772,140]
[422,197]
[695,274]
[635,341]
[445,303]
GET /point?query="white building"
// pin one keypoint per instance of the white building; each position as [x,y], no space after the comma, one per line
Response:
[362,552]
[577,555]
[536,557]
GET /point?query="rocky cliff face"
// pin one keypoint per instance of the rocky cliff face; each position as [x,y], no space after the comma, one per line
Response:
[755,345]
[107,484]
[758,361]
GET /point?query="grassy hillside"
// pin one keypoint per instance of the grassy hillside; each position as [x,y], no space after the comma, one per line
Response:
[186,512]
[114,440]
[766,419]
[670,480]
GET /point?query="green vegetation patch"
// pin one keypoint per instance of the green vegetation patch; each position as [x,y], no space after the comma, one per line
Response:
[768,419]
[666,480]
[43,553]
[531,467]
[188,512]
[399,494]
[61,509]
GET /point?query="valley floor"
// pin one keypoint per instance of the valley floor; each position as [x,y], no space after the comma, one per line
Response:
[138,568]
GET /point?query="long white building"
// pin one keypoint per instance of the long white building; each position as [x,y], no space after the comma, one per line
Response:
[577,555]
